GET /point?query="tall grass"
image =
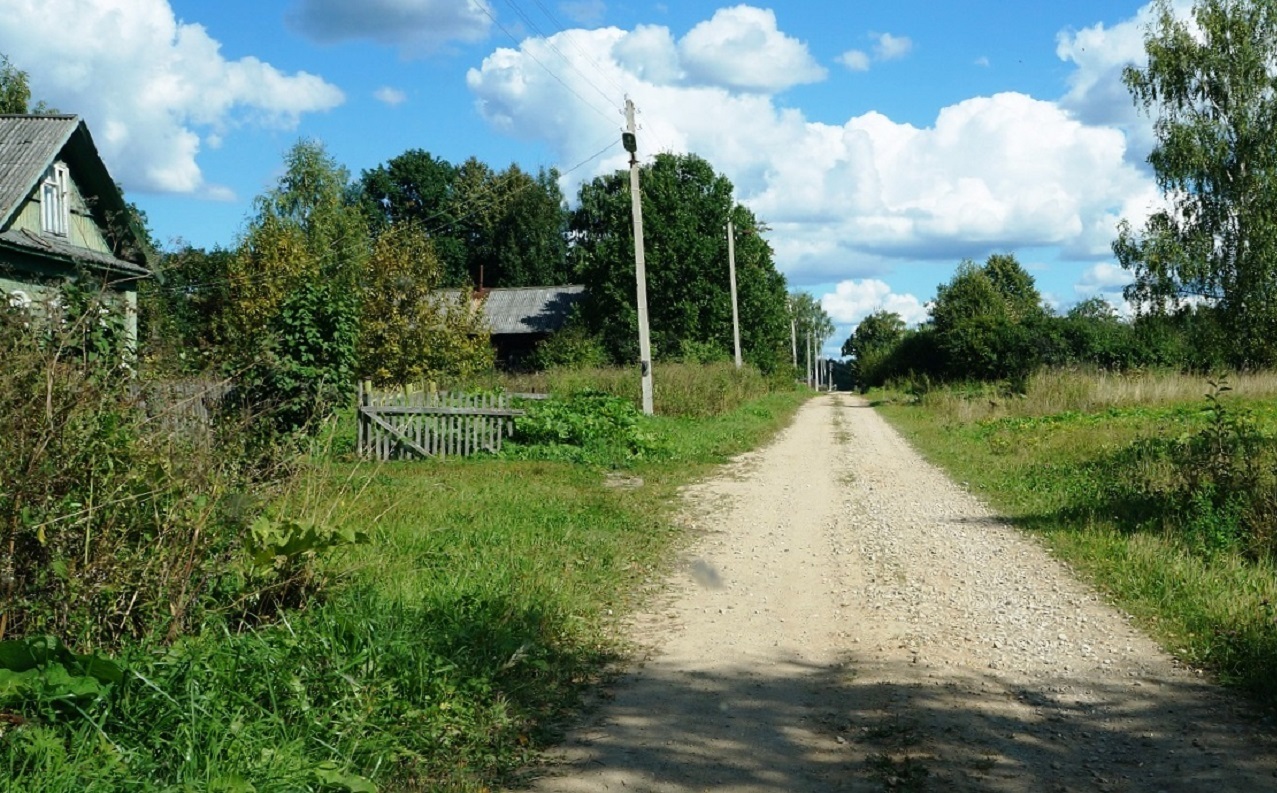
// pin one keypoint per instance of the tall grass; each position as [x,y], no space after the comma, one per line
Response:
[679,389]
[1049,392]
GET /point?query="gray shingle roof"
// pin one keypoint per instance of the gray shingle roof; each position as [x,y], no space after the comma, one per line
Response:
[28,146]
[529,309]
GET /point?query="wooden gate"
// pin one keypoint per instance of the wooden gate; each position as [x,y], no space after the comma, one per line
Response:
[405,425]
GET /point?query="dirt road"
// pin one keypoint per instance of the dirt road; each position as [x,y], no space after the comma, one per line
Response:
[852,620]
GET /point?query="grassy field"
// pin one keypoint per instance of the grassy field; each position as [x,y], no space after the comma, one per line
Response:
[442,654]
[1161,495]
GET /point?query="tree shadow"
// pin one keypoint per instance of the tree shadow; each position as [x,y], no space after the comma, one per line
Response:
[856,726]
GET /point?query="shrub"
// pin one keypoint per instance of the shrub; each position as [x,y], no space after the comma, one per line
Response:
[116,520]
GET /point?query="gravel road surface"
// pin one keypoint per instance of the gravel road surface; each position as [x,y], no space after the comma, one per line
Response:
[851,620]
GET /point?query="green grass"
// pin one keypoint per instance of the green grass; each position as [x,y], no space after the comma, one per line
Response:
[1101,486]
[442,655]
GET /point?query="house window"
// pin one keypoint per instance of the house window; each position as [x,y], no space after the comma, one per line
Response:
[54,209]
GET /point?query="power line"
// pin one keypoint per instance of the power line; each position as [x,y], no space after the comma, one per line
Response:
[540,63]
[549,42]
[571,40]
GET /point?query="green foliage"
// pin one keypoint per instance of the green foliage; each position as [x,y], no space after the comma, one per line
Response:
[1208,86]
[871,346]
[183,312]
[811,321]
[510,225]
[410,332]
[41,677]
[588,425]
[15,89]
[294,301]
[686,206]
[571,347]
[118,520]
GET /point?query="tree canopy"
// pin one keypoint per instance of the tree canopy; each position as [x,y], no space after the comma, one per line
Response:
[506,228]
[686,206]
[1209,88]
[15,88]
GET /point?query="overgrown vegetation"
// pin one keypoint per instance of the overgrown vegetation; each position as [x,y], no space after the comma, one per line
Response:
[1165,497]
[175,628]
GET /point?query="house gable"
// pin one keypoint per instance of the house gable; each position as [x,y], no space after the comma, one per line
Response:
[99,232]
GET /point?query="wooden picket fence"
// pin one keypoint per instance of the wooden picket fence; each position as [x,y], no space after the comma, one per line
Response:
[407,425]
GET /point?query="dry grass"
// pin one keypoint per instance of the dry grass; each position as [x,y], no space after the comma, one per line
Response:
[1086,391]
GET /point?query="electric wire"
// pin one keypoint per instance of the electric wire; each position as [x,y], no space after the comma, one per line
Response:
[542,64]
[549,42]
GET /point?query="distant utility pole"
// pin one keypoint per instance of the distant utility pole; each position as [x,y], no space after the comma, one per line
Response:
[811,365]
[630,141]
[793,335]
[731,273]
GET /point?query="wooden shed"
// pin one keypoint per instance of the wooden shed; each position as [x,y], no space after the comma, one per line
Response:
[62,216]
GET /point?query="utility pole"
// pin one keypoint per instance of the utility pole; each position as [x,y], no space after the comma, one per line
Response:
[731,272]
[630,141]
[811,365]
[793,335]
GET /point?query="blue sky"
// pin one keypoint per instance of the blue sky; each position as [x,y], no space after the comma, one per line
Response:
[882,142]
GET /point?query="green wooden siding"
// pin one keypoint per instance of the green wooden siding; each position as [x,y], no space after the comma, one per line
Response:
[85,233]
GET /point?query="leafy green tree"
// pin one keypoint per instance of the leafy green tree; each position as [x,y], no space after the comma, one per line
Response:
[872,345]
[810,319]
[988,321]
[508,227]
[183,312]
[417,188]
[528,237]
[686,206]
[15,88]
[1209,88]
[293,298]
[410,332]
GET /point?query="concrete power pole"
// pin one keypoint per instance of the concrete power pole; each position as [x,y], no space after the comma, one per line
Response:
[811,365]
[630,140]
[731,272]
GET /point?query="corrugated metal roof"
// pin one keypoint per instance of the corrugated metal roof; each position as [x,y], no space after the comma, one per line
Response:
[28,146]
[529,309]
[59,248]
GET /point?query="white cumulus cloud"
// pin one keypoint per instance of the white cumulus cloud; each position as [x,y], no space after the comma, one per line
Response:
[741,48]
[850,199]
[1104,278]
[856,60]
[417,27]
[152,89]
[890,48]
[853,300]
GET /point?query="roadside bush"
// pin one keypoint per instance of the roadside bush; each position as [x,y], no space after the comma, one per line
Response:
[586,426]
[572,347]
[115,523]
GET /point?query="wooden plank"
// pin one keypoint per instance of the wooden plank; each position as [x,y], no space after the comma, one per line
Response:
[399,410]
[395,433]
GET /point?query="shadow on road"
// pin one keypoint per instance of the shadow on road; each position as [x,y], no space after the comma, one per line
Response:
[854,728]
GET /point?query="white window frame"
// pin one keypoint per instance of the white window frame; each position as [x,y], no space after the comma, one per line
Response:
[55,210]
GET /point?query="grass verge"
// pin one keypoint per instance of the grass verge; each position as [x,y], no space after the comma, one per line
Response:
[449,650]
[1101,487]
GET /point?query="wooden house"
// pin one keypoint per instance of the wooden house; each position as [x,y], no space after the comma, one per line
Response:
[521,317]
[63,217]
